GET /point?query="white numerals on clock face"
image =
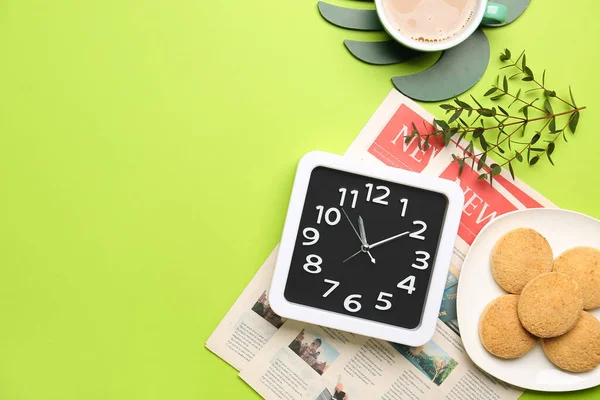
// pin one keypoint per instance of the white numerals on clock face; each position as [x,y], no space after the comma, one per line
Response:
[332,215]
[354,217]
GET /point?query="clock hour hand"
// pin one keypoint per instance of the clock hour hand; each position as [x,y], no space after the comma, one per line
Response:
[361,228]
[388,239]
[364,243]
[363,235]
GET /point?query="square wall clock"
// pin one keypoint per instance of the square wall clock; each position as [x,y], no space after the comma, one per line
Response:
[366,248]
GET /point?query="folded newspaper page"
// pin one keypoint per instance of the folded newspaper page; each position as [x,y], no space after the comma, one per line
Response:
[303,361]
[251,337]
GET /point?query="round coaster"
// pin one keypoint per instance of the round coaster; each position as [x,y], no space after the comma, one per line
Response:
[518,256]
[579,349]
[550,304]
[500,330]
[583,265]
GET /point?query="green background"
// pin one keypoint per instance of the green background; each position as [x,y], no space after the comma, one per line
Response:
[147,151]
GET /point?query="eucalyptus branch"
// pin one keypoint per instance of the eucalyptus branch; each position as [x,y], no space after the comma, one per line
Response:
[474,124]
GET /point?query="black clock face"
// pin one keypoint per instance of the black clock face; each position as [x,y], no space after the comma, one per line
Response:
[366,247]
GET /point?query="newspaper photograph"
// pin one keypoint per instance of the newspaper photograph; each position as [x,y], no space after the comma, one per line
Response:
[296,360]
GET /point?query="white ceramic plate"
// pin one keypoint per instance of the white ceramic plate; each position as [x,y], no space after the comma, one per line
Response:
[476,288]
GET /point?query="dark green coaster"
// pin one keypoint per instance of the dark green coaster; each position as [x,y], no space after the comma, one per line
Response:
[381,53]
[457,70]
[350,18]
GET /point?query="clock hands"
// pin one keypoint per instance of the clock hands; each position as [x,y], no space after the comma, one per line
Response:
[364,243]
[388,239]
[361,236]
[361,228]
[366,248]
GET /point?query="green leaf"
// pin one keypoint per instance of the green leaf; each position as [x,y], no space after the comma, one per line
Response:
[447,106]
[550,159]
[503,111]
[519,157]
[476,102]
[528,71]
[548,106]
[505,84]
[481,162]
[535,138]
[441,124]
[470,149]
[522,53]
[525,111]
[515,75]
[512,173]
[462,103]
[501,150]
[486,112]
[549,93]
[524,63]
[552,125]
[491,91]
[462,136]
[538,149]
[574,121]
[497,97]
[478,132]
[461,164]
[455,116]
[507,52]
[534,160]
[483,177]
[572,99]
[483,143]
[527,78]
[408,139]
[550,149]
[544,78]
[564,136]
[496,169]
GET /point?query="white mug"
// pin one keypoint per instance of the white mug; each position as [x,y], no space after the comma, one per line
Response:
[485,11]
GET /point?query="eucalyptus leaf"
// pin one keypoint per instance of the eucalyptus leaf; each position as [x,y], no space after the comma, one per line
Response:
[572,99]
[505,84]
[535,138]
[574,121]
[518,156]
[495,169]
[483,143]
[544,78]
[534,160]
[491,91]
[550,148]
[455,115]
[512,173]
[548,106]
[552,125]
[481,162]
[483,177]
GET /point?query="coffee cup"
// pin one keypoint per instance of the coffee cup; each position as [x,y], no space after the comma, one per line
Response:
[433,25]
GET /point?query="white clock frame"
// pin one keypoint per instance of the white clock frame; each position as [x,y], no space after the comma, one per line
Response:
[412,337]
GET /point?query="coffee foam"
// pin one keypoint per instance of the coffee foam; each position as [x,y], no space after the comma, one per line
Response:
[430,20]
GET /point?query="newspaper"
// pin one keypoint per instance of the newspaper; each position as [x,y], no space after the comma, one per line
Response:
[281,359]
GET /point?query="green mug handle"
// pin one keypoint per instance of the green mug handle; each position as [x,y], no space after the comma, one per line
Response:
[494,14]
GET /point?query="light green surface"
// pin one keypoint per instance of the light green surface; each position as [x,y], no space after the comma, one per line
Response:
[147,150]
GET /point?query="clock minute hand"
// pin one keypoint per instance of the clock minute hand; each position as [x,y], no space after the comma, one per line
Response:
[388,239]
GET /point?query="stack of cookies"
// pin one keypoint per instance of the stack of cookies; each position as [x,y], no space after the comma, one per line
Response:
[547,300]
